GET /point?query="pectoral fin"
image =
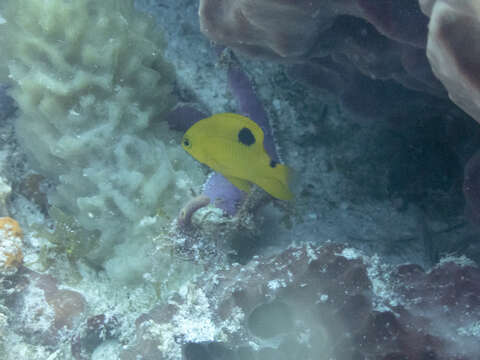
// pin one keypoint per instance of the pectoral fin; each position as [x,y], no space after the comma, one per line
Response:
[242,184]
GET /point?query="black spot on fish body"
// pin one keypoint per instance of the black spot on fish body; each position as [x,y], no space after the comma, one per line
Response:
[246,137]
[273,163]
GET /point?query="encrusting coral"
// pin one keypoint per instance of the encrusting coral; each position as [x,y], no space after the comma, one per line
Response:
[11,255]
[10,227]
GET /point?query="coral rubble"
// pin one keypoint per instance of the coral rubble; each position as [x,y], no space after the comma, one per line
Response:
[329,301]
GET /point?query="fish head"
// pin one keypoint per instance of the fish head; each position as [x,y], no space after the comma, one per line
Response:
[196,143]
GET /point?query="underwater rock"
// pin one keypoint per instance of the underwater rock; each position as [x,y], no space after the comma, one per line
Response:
[471,188]
[207,351]
[98,329]
[352,47]
[453,49]
[32,187]
[7,105]
[156,334]
[5,191]
[3,328]
[11,255]
[43,313]
[329,300]
[184,115]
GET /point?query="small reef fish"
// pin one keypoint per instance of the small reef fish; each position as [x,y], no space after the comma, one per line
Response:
[232,145]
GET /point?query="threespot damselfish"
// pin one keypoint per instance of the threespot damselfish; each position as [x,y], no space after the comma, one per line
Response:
[232,145]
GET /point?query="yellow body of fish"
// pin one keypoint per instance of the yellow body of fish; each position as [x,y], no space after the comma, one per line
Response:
[233,145]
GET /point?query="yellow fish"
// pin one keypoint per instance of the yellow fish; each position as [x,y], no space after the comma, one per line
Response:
[232,145]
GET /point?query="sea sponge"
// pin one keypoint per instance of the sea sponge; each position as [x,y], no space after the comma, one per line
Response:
[92,87]
[365,52]
[453,49]
[11,256]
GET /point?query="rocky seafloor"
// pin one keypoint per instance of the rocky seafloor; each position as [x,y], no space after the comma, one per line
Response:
[376,258]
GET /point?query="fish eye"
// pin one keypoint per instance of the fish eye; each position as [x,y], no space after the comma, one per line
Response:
[186,143]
